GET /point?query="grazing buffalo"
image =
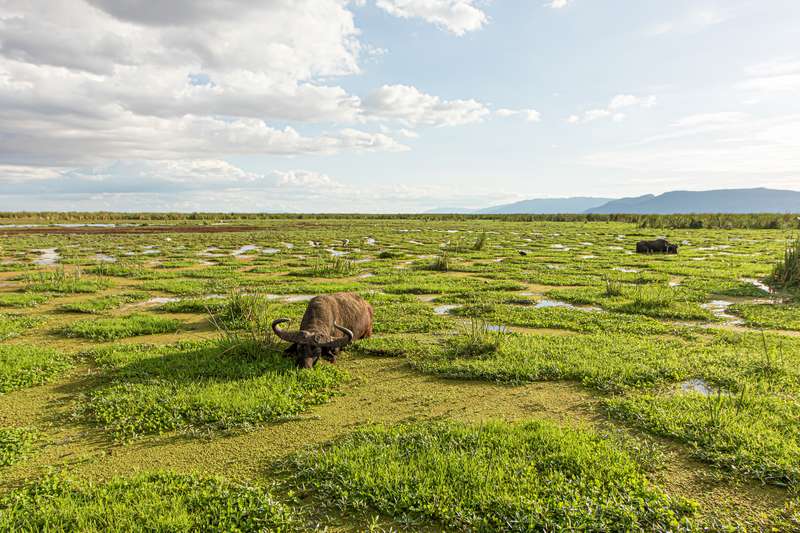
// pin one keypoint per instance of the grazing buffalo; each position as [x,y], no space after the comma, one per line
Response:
[658,246]
[331,322]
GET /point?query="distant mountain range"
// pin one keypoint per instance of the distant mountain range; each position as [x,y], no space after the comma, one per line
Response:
[758,200]
[578,204]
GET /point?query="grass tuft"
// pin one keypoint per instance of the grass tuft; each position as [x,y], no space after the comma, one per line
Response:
[786,273]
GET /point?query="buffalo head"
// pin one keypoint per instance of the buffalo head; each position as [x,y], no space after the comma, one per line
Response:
[309,346]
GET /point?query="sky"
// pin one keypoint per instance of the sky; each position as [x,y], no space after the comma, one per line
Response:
[391,105]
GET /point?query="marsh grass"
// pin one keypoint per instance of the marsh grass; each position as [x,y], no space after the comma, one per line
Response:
[214,385]
[15,444]
[786,273]
[14,325]
[22,300]
[25,365]
[613,288]
[191,287]
[480,242]
[773,316]
[409,317]
[751,435]
[492,477]
[161,501]
[101,304]
[113,328]
[475,339]
[61,281]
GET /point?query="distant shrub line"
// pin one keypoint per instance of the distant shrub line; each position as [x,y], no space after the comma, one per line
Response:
[676,221]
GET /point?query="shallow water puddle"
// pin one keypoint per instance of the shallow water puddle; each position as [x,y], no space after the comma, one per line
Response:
[336,253]
[48,256]
[445,309]
[244,249]
[103,258]
[542,304]
[294,298]
[697,385]
[719,308]
[626,270]
[757,283]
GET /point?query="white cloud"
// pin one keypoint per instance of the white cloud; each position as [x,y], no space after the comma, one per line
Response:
[215,185]
[531,115]
[304,179]
[695,20]
[557,4]
[722,118]
[456,16]
[733,143]
[411,106]
[620,101]
[775,76]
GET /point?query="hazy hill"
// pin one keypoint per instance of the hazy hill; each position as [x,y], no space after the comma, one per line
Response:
[759,200]
[578,204]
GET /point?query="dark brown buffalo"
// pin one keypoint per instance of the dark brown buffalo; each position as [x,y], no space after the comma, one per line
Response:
[658,246]
[331,322]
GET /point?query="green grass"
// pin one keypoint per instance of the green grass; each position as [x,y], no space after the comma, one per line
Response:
[62,282]
[564,318]
[772,316]
[24,299]
[14,325]
[202,385]
[108,329]
[101,304]
[609,362]
[25,365]
[15,444]
[194,305]
[654,301]
[492,477]
[411,317]
[325,267]
[753,436]
[161,501]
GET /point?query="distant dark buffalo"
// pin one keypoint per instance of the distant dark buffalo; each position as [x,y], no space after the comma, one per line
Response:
[658,246]
[331,322]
